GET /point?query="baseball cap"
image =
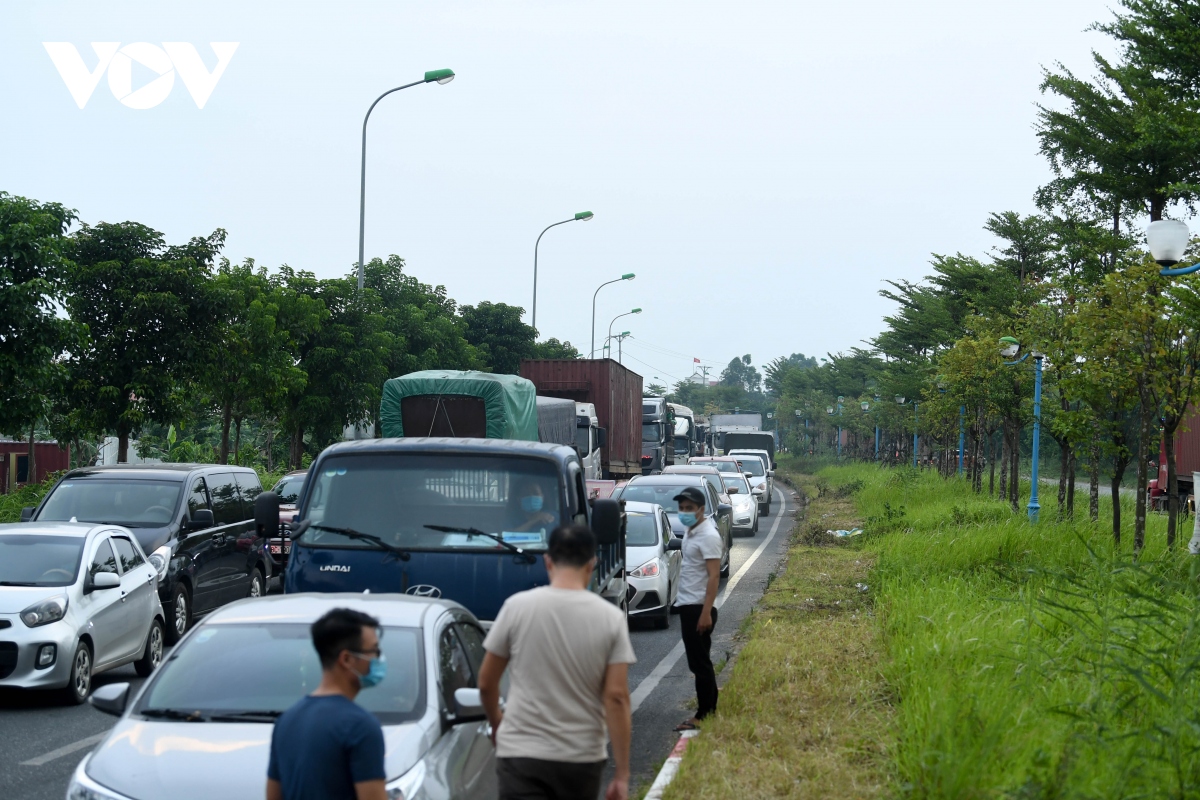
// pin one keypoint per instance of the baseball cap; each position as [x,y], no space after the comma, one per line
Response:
[690,493]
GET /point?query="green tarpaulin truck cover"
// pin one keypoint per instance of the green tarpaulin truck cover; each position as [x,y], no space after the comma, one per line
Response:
[509,400]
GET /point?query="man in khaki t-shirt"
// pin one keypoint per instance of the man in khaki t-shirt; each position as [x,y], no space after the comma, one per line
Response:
[569,654]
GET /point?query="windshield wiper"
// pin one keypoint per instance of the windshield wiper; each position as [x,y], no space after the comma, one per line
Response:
[173,713]
[350,533]
[476,532]
[245,716]
[18,583]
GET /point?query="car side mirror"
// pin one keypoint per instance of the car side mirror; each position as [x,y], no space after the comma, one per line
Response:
[266,515]
[770,473]
[606,521]
[105,580]
[601,437]
[732,490]
[468,706]
[110,698]
[201,518]
[675,543]
[27,513]
[724,508]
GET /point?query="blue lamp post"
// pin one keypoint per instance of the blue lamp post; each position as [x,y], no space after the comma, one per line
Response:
[1009,347]
[877,430]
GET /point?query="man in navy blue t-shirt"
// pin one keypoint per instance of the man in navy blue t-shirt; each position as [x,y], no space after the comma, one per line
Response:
[326,746]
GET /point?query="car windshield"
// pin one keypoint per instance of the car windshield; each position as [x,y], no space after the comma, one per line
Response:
[397,496]
[654,493]
[232,668]
[39,560]
[753,465]
[736,482]
[640,530]
[289,489]
[651,432]
[132,503]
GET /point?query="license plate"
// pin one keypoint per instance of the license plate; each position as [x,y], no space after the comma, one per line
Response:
[277,549]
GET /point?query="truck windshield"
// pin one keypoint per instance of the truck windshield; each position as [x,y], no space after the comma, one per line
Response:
[132,503]
[683,427]
[395,496]
[651,432]
[583,439]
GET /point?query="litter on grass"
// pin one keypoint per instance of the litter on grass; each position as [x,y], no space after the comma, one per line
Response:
[843,534]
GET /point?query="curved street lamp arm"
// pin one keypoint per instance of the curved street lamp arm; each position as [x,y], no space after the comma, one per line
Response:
[591,354]
[362,190]
[533,313]
[1180,270]
[1018,361]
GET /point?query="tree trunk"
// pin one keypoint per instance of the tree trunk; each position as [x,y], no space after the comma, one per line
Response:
[1005,452]
[270,448]
[237,441]
[226,419]
[1094,482]
[32,455]
[1064,460]
[122,445]
[1139,514]
[1172,487]
[297,448]
[1071,486]
[992,464]
[1014,460]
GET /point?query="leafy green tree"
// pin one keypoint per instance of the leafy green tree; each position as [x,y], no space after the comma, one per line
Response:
[497,332]
[33,338]
[553,348]
[654,390]
[152,317]
[740,372]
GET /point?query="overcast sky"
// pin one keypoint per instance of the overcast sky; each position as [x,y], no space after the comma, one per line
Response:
[762,166]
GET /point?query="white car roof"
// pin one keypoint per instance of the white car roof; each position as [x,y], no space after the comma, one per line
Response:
[80,529]
[640,507]
[400,610]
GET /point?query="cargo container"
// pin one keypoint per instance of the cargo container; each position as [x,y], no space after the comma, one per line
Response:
[556,421]
[1187,460]
[614,390]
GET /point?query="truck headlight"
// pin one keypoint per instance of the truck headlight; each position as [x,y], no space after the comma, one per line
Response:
[44,612]
[160,559]
[407,786]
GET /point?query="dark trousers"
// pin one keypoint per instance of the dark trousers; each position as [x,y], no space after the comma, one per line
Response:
[697,646]
[536,779]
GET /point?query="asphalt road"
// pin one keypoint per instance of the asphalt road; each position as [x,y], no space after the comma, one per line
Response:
[44,740]
[662,688]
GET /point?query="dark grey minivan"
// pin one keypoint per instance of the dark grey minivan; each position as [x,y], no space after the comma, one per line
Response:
[196,522]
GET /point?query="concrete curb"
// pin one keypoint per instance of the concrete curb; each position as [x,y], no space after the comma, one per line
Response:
[670,767]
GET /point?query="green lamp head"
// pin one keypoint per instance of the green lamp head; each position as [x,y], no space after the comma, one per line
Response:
[439,75]
[628,276]
[584,216]
[1009,346]
[636,311]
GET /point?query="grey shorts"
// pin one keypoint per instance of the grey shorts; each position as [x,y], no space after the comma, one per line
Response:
[535,779]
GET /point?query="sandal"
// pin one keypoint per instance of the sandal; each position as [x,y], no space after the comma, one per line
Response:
[686,725]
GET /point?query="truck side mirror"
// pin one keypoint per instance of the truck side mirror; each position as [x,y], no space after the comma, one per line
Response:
[606,521]
[27,513]
[601,437]
[266,515]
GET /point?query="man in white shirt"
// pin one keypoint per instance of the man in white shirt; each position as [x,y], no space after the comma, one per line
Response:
[699,577]
[570,653]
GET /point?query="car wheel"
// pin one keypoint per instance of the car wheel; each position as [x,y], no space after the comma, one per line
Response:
[153,654]
[662,621]
[754,530]
[79,685]
[726,561]
[256,584]
[179,614]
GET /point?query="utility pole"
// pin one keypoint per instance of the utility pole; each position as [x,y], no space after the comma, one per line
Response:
[704,370]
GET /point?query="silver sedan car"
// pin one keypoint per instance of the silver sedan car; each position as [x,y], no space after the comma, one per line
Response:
[654,568]
[201,726]
[75,599]
[745,504]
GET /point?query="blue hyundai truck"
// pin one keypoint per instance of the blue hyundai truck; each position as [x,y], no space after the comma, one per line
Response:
[457,500]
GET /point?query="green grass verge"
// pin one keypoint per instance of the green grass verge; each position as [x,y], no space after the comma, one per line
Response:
[1029,661]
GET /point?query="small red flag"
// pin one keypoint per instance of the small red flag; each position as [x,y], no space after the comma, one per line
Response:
[696,360]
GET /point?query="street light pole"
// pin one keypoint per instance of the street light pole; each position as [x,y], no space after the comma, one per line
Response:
[441,76]
[877,429]
[582,216]
[916,427]
[628,276]
[1009,348]
[617,317]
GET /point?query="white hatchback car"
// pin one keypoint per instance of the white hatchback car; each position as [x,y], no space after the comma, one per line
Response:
[745,503]
[654,567]
[75,600]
